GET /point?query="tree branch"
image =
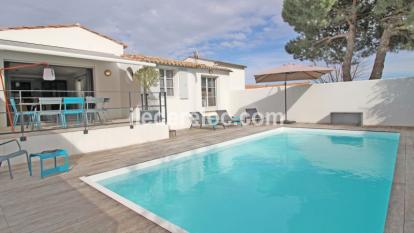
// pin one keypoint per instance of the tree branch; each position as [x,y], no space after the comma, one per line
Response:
[329,39]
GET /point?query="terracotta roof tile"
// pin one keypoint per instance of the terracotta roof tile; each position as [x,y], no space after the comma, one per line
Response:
[172,62]
[63,26]
[221,63]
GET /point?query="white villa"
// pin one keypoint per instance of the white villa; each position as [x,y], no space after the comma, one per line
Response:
[70,104]
[291,156]
[82,60]
[85,61]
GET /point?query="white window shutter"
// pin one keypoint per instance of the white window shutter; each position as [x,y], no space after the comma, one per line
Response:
[183,88]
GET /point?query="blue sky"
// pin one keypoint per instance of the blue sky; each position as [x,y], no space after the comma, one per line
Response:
[246,32]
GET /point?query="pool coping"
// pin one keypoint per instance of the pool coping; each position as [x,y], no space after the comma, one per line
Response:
[92,180]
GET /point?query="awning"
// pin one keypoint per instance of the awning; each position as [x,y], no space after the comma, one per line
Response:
[7,45]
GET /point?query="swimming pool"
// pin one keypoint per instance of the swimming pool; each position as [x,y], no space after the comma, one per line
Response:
[285,180]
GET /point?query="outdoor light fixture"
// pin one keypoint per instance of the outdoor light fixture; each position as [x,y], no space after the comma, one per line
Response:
[49,74]
[107,72]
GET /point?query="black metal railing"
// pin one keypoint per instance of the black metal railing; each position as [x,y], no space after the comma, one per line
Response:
[23,111]
[154,107]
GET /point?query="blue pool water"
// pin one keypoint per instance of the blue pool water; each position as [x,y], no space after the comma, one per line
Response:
[291,182]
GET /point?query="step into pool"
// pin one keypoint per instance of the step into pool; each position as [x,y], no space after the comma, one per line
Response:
[284,181]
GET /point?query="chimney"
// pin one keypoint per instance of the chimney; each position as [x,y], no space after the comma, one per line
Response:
[195,54]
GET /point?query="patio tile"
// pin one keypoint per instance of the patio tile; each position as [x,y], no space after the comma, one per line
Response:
[409,172]
[395,216]
[409,205]
[410,142]
[3,223]
[409,227]
[409,197]
[409,190]
[400,173]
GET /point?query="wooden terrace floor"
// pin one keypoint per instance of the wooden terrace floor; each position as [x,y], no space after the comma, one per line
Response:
[63,203]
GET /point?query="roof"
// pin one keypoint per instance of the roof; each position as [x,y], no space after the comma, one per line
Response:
[172,62]
[9,45]
[222,63]
[255,86]
[63,26]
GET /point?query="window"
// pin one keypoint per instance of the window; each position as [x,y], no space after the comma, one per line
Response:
[208,91]
[167,81]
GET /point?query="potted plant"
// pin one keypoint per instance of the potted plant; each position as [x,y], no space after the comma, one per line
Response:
[148,77]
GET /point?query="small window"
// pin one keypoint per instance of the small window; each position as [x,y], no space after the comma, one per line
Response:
[208,91]
[167,81]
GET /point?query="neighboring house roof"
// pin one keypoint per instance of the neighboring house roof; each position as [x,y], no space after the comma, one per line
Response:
[64,26]
[172,62]
[255,86]
[221,63]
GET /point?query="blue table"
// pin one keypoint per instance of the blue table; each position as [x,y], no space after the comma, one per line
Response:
[52,154]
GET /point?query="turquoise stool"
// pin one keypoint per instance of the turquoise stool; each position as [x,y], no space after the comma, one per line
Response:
[44,155]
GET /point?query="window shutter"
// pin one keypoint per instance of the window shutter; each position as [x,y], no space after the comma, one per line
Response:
[183,88]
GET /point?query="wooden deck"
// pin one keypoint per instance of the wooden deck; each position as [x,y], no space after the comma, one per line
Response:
[63,203]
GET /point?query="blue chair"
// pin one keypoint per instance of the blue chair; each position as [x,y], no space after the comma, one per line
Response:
[95,107]
[78,108]
[45,106]
[17,114]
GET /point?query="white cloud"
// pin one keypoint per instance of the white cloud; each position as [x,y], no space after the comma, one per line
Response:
[262,61]
[160,27]
[241,31]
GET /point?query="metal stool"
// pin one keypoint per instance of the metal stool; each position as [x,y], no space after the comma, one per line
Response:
[44,155]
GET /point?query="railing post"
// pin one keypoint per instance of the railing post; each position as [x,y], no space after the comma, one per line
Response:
[131,112]
[165,107]
[85,114]
[22,137]
[160,103]
[146,102]
[142,101]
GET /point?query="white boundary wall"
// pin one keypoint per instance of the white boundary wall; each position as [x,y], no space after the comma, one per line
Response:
[75,142]
[382,102]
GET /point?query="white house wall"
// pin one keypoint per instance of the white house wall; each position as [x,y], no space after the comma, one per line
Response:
[181,107]
[235,81]
[176,106]
[67,37]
